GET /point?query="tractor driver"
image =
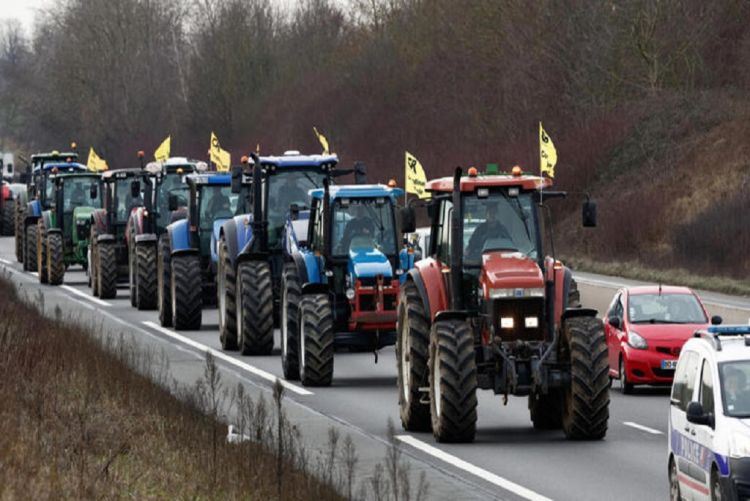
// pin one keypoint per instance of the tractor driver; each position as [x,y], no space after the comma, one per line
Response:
[490,229]
[219,205]
[77,197]
[289,193]
[361,225]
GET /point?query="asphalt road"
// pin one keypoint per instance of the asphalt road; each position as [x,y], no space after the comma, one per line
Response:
[508,460]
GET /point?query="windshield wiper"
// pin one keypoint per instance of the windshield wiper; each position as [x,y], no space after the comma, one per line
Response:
[656,321]
[519,211]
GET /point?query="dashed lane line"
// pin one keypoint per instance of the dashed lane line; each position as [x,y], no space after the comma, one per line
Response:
[490,477]
[85,296]
[231,360]
[637,426]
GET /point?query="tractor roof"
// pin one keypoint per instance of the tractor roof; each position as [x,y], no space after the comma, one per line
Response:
[54,155]
[120,173]
[471,183]
[294,159]
[358,191]
[219,178]
[67,166]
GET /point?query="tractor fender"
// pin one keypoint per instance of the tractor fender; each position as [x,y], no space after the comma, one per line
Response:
[179,236]
[47,220]
[33,213]
[311,288]
[415,277]
[244,239]
[215,236]
[453,315]
[299,262]
[430,271]
[105,237]
[99,220]
[405,262]
[184,252]
[145,238]
[311,265]
[136,221]
[579,312]
[53,230]
[229,232]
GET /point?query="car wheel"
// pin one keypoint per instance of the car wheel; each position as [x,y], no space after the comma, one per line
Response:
[674,483]
[625,385]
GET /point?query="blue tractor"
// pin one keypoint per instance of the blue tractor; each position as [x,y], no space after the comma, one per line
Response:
[341,283]
[187,250]
[251,250]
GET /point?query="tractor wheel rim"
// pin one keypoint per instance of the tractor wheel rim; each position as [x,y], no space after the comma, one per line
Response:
[284,323]
[405,363]
[436,382]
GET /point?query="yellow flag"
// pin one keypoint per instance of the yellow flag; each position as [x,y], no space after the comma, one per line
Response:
[220,157]
[95,162]
[547,153]
[415,177]
[323,141]
[162,152]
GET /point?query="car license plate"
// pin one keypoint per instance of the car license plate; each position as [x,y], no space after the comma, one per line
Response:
[669,364]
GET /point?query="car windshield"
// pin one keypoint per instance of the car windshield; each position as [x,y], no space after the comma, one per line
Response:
[499,221]
[77,192]
[287,187]
[734,388]
[365,223]
[171,184]
[216,202]
[665,309]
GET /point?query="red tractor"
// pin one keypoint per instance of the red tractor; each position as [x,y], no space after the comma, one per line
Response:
[487,309]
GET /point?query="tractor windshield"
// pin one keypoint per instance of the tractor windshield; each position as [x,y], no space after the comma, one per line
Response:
[365,223]
[77,192]
[216,202]
[287,187]
[499,221]
[125,202]
[171,184]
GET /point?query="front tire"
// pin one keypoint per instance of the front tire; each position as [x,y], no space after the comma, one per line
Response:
[546,410]
[453,381]
[255,308]
[146,273]
[164,286]
[412,353]
[41,252]
[8,215]
[106,270]
[226,301]
[316,340]
[290,297]
[19,233]
[29,259]
[186,292]
[585,409]
[55,259]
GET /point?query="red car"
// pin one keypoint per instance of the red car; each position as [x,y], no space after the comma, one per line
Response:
[646,328]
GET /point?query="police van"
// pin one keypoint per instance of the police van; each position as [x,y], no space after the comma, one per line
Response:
[709,417]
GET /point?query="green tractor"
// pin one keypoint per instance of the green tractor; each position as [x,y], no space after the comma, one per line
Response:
[64,229]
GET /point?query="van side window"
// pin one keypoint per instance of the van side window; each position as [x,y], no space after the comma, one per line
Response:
[684,380]
[707,389]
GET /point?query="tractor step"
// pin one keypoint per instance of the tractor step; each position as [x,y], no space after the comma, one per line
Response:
[425,398]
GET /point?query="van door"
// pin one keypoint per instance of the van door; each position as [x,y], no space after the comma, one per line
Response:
[704,434]
[683,389]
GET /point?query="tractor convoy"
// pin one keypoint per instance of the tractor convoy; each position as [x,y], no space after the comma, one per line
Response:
[277,243]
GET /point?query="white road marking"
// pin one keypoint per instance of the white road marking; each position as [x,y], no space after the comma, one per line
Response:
[223,356]
[85,296]
[5,261]
[642,428]
[501,482]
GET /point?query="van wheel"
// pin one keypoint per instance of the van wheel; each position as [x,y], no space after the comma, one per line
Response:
[717,492]
[674,483]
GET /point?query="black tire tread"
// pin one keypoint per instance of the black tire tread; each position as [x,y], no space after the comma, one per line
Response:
[106,273]
[55,259]
[187,313]
[9,218]
[227,331]
[146,283]
[164,277]
[317,316]
[415,416]
[19,232]
[256,302]
[30,241]
[290,284]
[41,252]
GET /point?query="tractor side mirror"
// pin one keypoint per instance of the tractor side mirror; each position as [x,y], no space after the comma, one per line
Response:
[94,191]
[716,320]
[174,202]
[697,415]
[360,173]
[589,214]
[408,220]
[236,179]
[135,189]
[615,322]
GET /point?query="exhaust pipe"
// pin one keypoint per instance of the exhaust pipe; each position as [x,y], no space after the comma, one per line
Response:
[326,221]
[457,256]
[259,223]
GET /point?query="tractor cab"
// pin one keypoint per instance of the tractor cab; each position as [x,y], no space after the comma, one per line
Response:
[170,180]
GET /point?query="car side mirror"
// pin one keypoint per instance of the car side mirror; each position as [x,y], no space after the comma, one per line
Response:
[94,191]
[408,220]
[135,189]
[716,320]
[236,179]
[174,202]
[615,322]
[589,214]
[696,414]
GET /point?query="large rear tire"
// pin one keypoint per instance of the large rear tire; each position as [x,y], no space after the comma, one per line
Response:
[546,410]
[132,274]
[164,278]
[41,252]
[453,381]
[106,274]
[255,308]
[290,297]
[145,283]
[55,259]
[412,353]
[316,340]
[30,239]
[19,233]
[585,409]
[94,262]
[186,292]
[226,300]
[9,218]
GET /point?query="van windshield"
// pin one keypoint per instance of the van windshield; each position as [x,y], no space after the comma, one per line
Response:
[735,393]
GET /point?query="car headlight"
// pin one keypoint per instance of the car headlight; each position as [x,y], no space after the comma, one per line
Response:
[516,292]
[739,446]
[636,341]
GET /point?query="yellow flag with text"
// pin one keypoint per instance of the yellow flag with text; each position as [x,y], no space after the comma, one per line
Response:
[547,153]
[219,156]
[162,152]
[323,141]
[95,162]
[415,177]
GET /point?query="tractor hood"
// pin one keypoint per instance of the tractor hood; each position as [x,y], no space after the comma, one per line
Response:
[510,270]
[368,262]
[82,213]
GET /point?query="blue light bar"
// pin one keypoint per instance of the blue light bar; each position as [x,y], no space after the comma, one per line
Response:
[729,330]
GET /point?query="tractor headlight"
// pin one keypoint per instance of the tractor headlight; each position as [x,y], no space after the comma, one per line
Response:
[506,322]
[350,294]
[531,322]
[636,341]
[516,292]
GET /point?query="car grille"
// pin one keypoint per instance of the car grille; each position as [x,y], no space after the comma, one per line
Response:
[669,350]
[659,372]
